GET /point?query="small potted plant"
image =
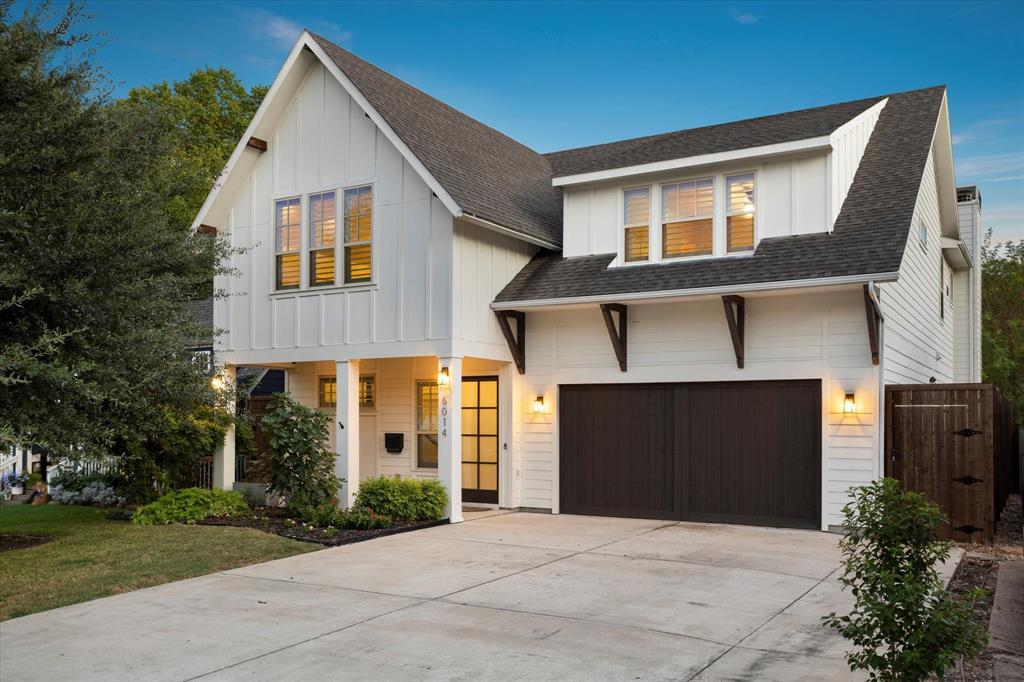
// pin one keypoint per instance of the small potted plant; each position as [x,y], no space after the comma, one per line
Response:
[14,482]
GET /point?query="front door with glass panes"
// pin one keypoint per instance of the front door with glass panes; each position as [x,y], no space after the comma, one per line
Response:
[480,439]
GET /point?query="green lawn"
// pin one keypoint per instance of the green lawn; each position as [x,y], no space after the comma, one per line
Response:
[91,557]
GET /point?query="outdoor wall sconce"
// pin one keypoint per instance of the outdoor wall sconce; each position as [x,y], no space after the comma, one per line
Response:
[538,405]
[849,405]
[217,382]
[443,378]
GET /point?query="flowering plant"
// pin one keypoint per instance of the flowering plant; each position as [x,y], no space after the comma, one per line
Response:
[11,479]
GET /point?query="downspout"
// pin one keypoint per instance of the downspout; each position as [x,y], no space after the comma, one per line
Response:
[873,294]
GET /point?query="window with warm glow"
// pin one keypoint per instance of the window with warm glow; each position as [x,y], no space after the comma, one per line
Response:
[358,234]
[323,215]
[426,424]
[740,212]
[637,221]
[287,242]
[328,392]
[367,392]
[687,218]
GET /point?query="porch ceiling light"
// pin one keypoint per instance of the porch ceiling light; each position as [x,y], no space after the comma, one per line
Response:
[538,405]
[849,405]
[443,378]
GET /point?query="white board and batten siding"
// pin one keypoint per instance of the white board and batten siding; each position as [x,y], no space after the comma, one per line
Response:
[848,144]
[324,141]
[918,338]
[799,336]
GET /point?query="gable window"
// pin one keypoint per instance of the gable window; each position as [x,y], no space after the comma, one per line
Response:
[327,392]
[287,242]
[368,392]
[358,234]
[687,218]
[636,222]
[740,213]
[922,234]
[426,424]
[323,214]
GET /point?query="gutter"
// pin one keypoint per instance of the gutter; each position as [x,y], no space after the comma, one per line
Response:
[501,229]
[705,291]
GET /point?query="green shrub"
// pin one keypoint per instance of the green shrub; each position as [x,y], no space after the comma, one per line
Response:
[405,499]
[190,505]
[327,516]
[904,622]
[301,463]
[33,478]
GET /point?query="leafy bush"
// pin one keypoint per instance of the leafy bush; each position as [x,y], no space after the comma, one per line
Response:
[329,516]
[405,499]
[301,463]
[190,505]
[97,492]
[904,623]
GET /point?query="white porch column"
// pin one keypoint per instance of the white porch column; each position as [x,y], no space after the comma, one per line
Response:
[346,424]
[449,435]
[224,456]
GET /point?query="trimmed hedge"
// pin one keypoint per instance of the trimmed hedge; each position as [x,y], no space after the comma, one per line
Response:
[189,506]
[405,499]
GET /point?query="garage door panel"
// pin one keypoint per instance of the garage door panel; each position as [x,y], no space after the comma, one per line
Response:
[739,452]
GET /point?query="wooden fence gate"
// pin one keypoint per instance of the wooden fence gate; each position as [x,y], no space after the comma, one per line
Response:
[955,443]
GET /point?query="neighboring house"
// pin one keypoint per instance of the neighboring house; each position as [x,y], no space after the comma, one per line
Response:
[696,325]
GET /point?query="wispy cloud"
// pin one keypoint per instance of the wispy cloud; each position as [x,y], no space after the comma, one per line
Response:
[994,167]
[960,138]
[281,32]
[745,18]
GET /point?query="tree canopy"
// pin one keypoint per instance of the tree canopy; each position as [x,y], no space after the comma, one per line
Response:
[1002,321]
[96,201]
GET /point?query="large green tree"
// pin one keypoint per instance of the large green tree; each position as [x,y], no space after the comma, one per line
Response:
[1002,322]
[209,112]
[93,333]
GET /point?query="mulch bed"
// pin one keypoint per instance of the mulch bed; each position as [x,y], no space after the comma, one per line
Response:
[275,520]
[980,568]
[9,542]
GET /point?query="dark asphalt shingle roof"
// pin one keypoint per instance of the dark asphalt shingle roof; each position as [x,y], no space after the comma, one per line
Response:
[752,132]
[489,175]
[869,235]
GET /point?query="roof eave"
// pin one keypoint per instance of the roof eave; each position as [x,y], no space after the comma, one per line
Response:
[679,294]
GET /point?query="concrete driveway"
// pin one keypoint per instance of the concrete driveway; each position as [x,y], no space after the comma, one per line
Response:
[524,596]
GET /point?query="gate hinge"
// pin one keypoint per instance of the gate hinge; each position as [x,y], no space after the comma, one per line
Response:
[968,480]
[968,529]
[966,432]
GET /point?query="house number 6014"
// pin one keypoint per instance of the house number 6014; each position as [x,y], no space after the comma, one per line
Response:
[444,416]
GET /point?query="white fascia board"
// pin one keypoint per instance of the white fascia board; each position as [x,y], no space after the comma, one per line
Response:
[501,229]
[379,121]
[240,148]
[957,253]
[642,296]
[945,179]
[796,146]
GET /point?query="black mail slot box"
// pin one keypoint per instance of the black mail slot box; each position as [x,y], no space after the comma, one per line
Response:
[394,442]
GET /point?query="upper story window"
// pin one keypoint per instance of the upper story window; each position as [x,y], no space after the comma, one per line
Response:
[358,234]
[637,222]
[740,212]
[323,213]
[287,242]
[687,218]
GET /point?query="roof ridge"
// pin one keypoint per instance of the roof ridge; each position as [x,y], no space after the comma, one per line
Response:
[319,38]
[873,99]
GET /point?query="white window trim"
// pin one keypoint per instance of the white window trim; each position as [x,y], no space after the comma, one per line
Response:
[326,408]
[414,466]
[376,393]
[727,214]
[621,258]
[719,244]
[714,222]
[275,252]
[339,242]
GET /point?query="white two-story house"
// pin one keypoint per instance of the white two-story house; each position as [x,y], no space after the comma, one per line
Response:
[696,325]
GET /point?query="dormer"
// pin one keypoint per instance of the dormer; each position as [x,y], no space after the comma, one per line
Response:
[712,192]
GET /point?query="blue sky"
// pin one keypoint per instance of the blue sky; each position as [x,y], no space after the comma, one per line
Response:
[558,75]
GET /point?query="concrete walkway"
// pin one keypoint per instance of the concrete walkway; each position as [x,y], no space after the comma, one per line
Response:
[1006,625]
[524,596]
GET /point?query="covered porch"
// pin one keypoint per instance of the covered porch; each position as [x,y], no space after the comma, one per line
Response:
[421,417]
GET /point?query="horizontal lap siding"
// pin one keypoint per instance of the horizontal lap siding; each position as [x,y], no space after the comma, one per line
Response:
[918,342]
[802,336]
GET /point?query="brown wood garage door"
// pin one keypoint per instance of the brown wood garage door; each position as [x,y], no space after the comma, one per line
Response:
[736,452]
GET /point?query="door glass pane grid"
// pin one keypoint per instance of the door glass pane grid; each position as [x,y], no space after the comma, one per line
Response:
[480,434]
